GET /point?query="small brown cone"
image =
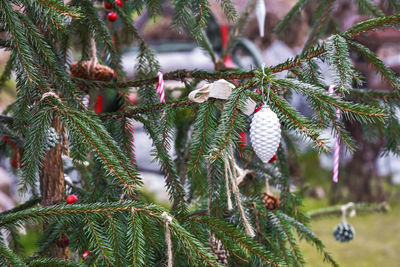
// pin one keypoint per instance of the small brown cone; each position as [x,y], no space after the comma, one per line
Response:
[271,202]
[219,251]
[99,72]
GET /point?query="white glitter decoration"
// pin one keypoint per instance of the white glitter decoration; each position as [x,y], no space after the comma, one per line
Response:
[265,133]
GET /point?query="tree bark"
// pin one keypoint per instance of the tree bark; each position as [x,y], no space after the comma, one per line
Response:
[52,186]
[361,170]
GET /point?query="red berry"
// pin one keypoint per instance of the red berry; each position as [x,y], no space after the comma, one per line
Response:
[118,3]
[71,199]
[272,160]
[86,254]
[63,242]
[112,16]
[107,5]
[6,138]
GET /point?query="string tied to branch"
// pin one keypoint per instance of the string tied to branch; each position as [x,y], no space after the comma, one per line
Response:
[168,220]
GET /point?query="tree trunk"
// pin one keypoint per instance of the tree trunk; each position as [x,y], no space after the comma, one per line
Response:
[52,186]
[361,170]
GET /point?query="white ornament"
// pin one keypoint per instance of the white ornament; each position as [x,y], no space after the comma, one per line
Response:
[265,133]
[260,14]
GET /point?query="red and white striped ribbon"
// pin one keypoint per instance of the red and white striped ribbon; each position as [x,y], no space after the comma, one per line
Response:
[160,87]
[336,149]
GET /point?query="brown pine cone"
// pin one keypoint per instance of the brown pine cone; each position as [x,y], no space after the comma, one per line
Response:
[99,72]
[271,202]
[219,251]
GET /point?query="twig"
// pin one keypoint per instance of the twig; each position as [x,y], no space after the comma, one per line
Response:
[359,207]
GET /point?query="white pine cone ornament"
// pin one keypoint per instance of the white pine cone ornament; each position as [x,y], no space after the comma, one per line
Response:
[343,232]
[52,138]
[265,133]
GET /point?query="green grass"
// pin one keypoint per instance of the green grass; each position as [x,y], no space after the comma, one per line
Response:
[376,242]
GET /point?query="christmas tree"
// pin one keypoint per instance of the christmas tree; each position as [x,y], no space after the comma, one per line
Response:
[222,211]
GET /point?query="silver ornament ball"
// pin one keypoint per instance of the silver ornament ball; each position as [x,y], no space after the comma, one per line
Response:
[265,133]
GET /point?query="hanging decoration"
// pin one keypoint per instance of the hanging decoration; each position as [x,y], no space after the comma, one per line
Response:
[265,133]
[91,69]
[344,232]
[336,146]
[220,89]
[219,251]
[260,14]
[52,138]
[271,202]
[71,199]
[160,87]
[103,100]
[168,220]
[63,242]
[86,254]
[265,130]
[234,175]
[227,186]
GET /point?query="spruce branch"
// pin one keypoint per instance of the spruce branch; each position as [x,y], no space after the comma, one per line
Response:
[9,258]
[51,262]
[339,62]
[305,233]
[98,28]
[8,68]
[12,23]
[94,134]
[320,23]
[284,233]
[50,212]
[359,207]
[313,52]
[370,94]
[196,251]
[201,139]
[61,8]
[204,126]
[175,188]
[231,119]
[136,239]
[201,13]
[26,205]
[358,111]
[231,237]
[383,70]
[238,28]
[96,234]
[229,9]
[34,149]
[369,8]
[132,111]
[48,61]
[372,24]
[293,12]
